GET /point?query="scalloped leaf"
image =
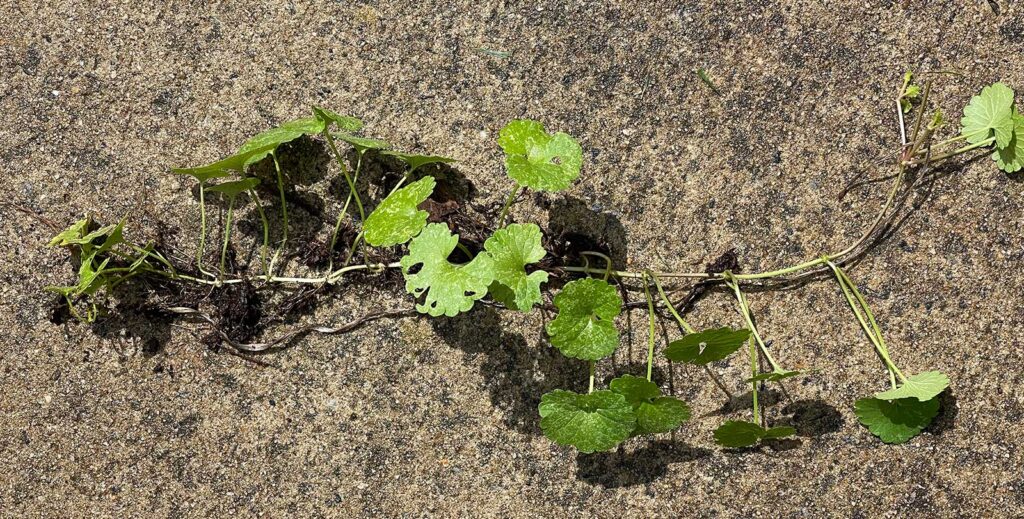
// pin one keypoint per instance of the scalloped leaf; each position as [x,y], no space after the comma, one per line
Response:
[654,413]
[511,249]
[397,219]
[447,288]
[1011,158]
[593,422]
[923,386]
[584,327]
[707,346]
[896,421]
[989,113]
[737,434]
[537,159]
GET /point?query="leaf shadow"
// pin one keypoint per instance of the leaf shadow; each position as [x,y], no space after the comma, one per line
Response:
[641,466]
[812,418]
[516,373]
[948,411]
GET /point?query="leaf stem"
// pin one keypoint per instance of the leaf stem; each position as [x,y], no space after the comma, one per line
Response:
[671,308]
[753,383]
[202,230]
[284,211]
[955,152]
[227,237]
[341,215]
[744,308]
[508,204]
[591,389]
[651,328]
[344,171]
[266,233]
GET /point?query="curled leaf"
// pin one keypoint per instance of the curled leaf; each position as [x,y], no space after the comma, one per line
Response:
[513,248]
[397,218]
[923,386]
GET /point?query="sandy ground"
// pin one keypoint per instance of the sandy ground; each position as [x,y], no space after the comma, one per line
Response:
[407,417]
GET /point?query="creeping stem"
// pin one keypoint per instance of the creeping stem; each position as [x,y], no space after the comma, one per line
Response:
[873,331]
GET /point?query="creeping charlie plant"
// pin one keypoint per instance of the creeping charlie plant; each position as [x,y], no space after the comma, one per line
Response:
[508,271]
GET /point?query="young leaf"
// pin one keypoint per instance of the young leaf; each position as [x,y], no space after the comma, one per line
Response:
[988,113]
[706,346]
[343,122]
[538,160]
[71,235]
[416,161]
[361,144]
[896,421]
[1011,158]
[737,434]
[449,288]
[259,146]
[584,327]
[923,386]
[235,187]
[654,413]
[593,422]
[511,249]
[397,218]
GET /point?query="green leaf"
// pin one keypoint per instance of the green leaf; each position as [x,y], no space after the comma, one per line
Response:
[896,421]
[654,413]
[259,146]
[361,144]
[988,113]
[923,386]
[397,218]
[221,168]
[70,235]
[235,187]
[584,327]
[538,160]
[449,288]
[594,422]
[417,161]
[706,346]
[1011,158]
[773,376]
[737,434]
[343,122]
[512,248]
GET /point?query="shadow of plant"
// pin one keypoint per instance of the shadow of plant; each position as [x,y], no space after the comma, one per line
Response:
[641,466]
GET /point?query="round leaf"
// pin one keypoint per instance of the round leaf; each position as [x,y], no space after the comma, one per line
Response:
[538,160]
[736,434]
[987,113]
[397,218]
[448,288]
[594,422]
[583,328]
[706,346]
[637,390]
[923,386]
[511,249]
[896,421]
[661,415]
[1011,158]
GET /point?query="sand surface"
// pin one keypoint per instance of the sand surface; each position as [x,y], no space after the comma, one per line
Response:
[138,417]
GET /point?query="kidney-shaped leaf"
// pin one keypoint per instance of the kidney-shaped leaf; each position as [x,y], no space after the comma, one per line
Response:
[397,218]
[537,159]
[511,249]
[706,346]
[584,327]
[896,421]
[923,386]
[593,422]
[989,113]
[654,413]
[448,288]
